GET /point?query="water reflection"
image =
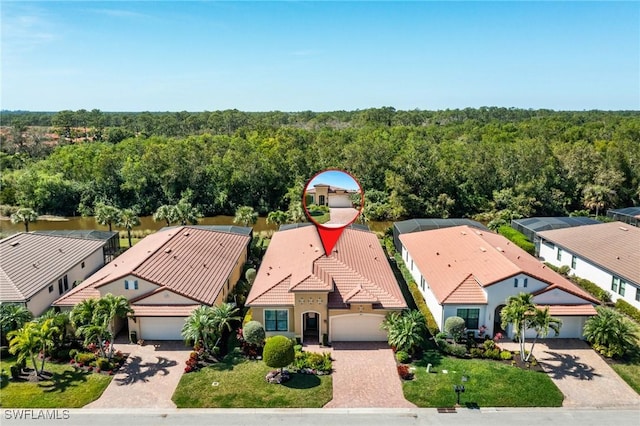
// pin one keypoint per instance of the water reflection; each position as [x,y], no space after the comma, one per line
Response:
[146,222]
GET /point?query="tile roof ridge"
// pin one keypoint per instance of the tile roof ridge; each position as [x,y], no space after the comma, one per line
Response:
[350,269]
[464,280]
[268,289]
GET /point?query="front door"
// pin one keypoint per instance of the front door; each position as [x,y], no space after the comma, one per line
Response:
[310,321]
[497,323]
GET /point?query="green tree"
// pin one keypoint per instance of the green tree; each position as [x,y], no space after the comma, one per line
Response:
[223,317]
[128,220]
[405,331]
[454,327]
[278,352]
[13,317]
[596,197]
[26,343]
[245,215]
[61,322]
[24,215]
[186,213]
[108,309]
[611,333]
[107,215]
[167,213]
[277,217]
[199,327]
[542,322]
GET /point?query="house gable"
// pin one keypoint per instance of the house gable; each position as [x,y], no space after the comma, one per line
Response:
[163,296]
[558,296]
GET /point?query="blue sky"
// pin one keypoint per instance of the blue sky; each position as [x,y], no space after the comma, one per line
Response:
[320,56]
[337,178]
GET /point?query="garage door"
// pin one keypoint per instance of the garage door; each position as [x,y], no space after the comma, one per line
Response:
[571,329]
[340,201]
[357,328]
[161,328]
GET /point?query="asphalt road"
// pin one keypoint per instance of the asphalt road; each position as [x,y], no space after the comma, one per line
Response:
[321,417]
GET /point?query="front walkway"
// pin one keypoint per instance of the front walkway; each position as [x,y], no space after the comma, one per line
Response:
[364,376]
[340,216]
[584,378]
[148,378]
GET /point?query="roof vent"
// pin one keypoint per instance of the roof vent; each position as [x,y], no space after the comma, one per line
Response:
[186,234]
[60,250]
[437,253]
[499,249]
[478,232]
[449,265]
[15,243]
[168,250]
[482,249]
[463,233]
[622,228]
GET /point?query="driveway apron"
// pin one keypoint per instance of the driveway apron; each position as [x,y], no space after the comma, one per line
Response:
[148,378]
[365,375]
[584,378]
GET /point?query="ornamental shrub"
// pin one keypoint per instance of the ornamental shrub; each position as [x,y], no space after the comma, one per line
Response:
[278,352]
[457,350]
[492,353]
[454,327]
[253,333]
[628,309]
[104,364]
[85,358]
[506,355]
[402,357]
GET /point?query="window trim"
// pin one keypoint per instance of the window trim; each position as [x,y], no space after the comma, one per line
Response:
[276,328]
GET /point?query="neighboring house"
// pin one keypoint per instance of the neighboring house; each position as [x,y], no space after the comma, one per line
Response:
[630,215]
[427,224]
[167,275]
[331,196]
[111,238]
[301,292]
[463,271]
[607,254]
[36,269]
[532,225]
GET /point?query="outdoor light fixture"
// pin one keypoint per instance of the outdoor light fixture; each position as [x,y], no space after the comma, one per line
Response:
[458,389]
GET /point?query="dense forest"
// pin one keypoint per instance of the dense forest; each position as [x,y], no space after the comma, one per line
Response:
[487,162]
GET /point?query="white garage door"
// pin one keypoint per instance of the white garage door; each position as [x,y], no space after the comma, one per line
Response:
[339,201]
[161,328]
[571,329]
[357,328]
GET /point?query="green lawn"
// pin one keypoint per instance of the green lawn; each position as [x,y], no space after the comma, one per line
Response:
[242,384]
[68,388]
[490,384]
[629,371]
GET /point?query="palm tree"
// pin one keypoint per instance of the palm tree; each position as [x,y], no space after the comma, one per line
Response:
[597,197]
[223,316]
[93,333]
[186,213]
[278,217]
[25,342]
[610,332]
[82,313]
[167,213]
[24,215]
[199,327]
[106,214]
[61,321]
[48,333]
[542,322]
[296,212]
[128,219]
[517,311]
[405,331]
[13,317]
[245,215]
[108,308]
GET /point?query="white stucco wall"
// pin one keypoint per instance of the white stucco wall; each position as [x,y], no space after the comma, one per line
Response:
[166,297]
[117,288]
[589,271]
[433,304]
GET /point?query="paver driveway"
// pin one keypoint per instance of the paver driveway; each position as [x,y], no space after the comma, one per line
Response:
[148,378]
[584,378]
[365,376]
[341,216]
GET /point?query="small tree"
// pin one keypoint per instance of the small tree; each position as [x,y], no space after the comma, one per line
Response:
[128,219]
[24,215]
[107,215]
[278,352]
[253,333]
[454,327]
[245,215]
[250,275]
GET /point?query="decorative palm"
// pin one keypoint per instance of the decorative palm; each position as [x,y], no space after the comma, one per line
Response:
[25,342]
[108,309]
[199,327]
[405,331]
[277,217]
[542,322]
[186,213]
[93,333]
[223,316]
[82,313]
[107,215]
[167,213]
[24,215]
[245,215]
[296,212]
[13,317]
[128,220]
[610,332]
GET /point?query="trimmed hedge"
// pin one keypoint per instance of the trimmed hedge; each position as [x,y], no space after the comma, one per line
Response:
[518,239]
[628,310]
[278,352]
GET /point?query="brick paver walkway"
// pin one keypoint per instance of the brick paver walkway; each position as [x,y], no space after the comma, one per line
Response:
[341,216]
[584,378]
[364,376]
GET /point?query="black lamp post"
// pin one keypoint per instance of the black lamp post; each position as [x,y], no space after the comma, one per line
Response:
[458,389]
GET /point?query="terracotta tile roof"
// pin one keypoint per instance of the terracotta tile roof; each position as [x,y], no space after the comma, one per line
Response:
[614,246]
[163,310]
[569,310]
[332,189]
[29,262]
[357,270]
[193,262]
[447,257]
[468,291]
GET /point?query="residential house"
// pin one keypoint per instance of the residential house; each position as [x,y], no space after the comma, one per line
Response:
[167,275]
[531,226]
[630,215]
[327,195]
[426,224]
[466,272]
[36,269]
[300,291]
[607,254]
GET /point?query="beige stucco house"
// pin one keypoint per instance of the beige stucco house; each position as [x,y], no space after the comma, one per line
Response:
[36,269]
[301,292]
[327,195]
[167,275]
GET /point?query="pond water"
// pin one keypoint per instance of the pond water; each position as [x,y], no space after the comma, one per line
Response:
[146,222]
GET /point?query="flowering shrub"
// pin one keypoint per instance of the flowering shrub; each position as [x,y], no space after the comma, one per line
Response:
[404,372]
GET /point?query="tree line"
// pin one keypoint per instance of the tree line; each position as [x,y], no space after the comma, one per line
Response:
[491,163]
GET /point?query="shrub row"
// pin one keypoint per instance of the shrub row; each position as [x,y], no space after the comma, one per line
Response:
[313,361]
[589,286]
[518,239]
[628,310]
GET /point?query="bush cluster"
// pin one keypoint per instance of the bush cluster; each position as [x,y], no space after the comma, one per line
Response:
[402,357]
[518,239]
[628,310]
[85,358]
[314,361]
